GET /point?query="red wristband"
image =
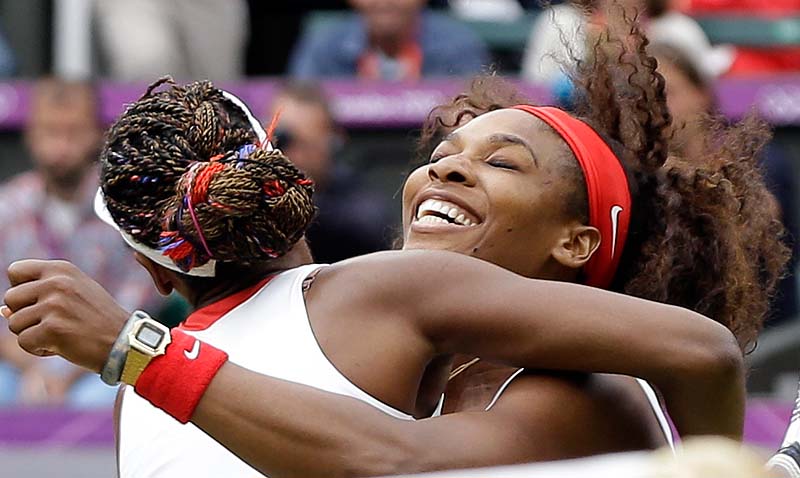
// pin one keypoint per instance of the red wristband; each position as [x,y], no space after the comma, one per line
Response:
[175,381]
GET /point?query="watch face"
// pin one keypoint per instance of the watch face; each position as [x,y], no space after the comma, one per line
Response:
[150,336]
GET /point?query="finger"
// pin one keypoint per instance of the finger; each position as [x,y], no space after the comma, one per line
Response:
[26,270]
[24,319]
[23,295]
[34,341]
[5,311]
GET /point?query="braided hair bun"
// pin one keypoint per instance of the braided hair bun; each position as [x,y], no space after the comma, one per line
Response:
[182,172]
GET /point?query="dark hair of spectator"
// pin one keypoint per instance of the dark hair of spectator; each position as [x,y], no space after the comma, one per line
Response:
[681,61]
[703,234]
[309,93]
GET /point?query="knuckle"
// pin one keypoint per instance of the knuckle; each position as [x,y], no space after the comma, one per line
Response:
[60,284]
[8,296]
[65,267]
[49,305]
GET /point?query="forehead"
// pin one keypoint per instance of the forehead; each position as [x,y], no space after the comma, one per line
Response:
[74,105]
[541,138]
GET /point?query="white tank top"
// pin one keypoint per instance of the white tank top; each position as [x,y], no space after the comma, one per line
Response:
[264,329]
[652,398]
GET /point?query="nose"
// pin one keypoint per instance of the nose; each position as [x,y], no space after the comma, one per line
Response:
[454,169]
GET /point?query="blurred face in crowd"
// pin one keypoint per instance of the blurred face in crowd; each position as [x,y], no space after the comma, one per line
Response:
[389,18]
[495,189]
[63,133]
[687,96]
[306,134]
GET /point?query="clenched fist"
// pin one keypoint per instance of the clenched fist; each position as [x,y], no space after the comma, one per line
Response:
[55,309]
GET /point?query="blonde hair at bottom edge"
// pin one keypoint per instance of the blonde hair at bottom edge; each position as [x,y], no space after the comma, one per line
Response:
[710,457]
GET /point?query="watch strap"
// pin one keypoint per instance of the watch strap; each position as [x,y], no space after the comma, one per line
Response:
[134,366]
[112,369]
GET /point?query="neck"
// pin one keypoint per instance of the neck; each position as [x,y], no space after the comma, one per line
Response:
[299,255]
[391,44]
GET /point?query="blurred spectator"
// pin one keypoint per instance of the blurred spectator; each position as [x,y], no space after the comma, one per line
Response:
[762,58]
[559,35]
[671,27]
[7,63]
[487,10]
[390,40]
[352,218]
[48,213]
[690,97]
[760,7]
[190,39]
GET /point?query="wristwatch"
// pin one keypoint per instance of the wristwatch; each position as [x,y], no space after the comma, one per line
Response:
[147,339]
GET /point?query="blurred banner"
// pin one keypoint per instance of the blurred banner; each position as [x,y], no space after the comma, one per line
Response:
[402,105]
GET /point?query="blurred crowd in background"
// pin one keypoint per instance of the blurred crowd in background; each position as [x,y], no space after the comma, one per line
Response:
[62,46]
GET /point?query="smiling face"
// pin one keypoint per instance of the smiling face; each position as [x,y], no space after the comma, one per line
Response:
[502,188]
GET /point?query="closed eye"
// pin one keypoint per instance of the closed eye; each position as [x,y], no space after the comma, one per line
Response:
[501,163]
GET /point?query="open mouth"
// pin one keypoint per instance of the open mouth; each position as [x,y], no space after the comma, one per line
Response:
[437,211]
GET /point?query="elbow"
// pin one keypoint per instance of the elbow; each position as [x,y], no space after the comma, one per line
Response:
[718,357]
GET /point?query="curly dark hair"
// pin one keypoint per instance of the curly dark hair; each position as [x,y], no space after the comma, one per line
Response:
[182,172]
[705,232]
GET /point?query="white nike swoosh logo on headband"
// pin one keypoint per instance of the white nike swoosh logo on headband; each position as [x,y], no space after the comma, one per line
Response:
[615,210]
[195,352]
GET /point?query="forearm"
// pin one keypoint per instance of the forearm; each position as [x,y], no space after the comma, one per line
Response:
[284,429]
[694,361]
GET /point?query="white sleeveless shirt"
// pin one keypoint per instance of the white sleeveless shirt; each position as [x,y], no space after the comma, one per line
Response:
[264,329]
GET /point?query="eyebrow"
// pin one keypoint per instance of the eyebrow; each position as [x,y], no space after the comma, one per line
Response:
[503,138]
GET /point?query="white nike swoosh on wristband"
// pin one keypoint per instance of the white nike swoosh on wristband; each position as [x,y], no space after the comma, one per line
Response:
[195,352]
[615,210]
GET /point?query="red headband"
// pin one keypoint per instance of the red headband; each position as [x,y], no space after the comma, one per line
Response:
[606,187]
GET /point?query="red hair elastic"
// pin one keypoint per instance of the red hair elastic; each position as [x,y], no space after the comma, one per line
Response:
[606,185]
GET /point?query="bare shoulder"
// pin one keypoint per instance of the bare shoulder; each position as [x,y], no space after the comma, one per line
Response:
[572,415]
[401,275]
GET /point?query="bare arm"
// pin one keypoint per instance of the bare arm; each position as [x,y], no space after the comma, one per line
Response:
[694,361]
[543,419]
[472,306]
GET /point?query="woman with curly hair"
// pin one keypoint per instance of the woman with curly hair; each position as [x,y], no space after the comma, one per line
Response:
[558,201]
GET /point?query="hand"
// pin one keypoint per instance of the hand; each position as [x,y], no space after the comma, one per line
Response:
[55,309]
[38,386]
[33,387]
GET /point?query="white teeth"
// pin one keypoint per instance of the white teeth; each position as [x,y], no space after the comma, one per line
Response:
[441,208]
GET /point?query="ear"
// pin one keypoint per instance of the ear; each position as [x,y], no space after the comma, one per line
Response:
[576,246]
[162,277]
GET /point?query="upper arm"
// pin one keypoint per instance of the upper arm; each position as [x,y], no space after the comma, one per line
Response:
[461,304]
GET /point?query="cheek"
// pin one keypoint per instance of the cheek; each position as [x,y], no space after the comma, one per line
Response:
[415,181]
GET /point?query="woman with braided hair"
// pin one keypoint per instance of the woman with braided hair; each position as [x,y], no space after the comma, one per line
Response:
[547,202]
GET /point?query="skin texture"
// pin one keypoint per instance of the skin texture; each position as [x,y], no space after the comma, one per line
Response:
[428,323]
